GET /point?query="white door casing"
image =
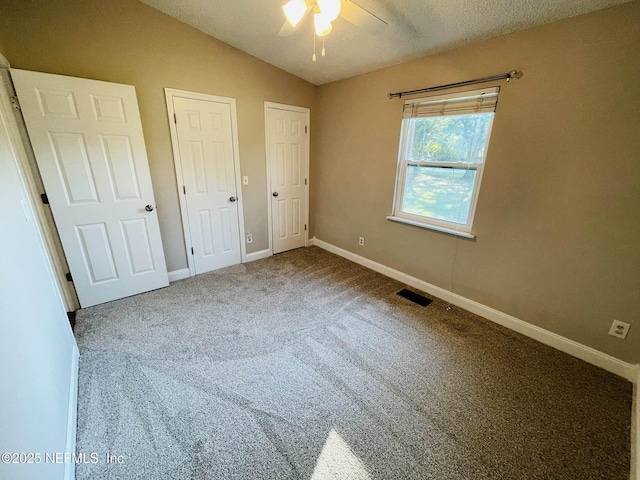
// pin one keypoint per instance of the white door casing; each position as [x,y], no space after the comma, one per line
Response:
[204,137]
[88,142]
[287,143]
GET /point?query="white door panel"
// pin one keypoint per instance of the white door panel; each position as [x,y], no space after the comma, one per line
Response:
[88,141]
[288,160]
[206,149]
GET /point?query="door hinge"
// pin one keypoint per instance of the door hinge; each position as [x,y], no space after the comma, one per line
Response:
[69,277]
[305,227]
[192,251]
[175,119]
[184,189]
[44,198]
[306,129]
[305,181]
[15,103]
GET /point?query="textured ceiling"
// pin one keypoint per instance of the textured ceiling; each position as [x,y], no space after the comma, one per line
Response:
[416,28]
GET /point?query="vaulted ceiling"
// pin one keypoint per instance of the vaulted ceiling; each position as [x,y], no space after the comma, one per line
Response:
[415,28]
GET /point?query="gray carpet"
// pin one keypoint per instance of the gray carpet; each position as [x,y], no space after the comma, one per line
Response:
[305,365]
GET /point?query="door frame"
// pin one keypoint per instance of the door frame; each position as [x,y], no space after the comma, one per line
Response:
[170,94]
[19,138]
[291,108]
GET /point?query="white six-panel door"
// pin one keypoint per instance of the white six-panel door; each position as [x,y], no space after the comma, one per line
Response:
[288,159]
[205,146]
[89,146]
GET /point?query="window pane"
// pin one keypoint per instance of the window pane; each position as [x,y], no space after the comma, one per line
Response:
[453,138]
[436,192]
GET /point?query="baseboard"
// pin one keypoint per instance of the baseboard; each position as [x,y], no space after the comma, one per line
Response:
[249,257]
[72,415]
[178,275]
[259,255]
[571,347]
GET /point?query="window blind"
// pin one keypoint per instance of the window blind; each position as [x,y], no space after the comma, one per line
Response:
[461,103]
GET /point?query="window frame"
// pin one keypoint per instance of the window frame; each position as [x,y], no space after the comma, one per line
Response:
[424,221]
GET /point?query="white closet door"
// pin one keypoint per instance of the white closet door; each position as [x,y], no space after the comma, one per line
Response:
[288,160]
[88,141]
[206,148]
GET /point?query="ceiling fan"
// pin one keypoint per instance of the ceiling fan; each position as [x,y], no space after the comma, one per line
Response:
[325,12]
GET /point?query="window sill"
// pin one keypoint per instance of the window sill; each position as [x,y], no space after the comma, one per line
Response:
[451,231]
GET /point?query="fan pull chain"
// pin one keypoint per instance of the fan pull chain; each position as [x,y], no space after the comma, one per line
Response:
[323,46]
[313,58]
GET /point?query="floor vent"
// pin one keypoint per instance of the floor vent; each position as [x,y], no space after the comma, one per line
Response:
[415,297]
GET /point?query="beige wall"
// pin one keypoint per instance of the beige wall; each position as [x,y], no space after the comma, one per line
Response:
[557,223]
[125,41]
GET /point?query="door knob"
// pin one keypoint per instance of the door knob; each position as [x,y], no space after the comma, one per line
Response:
[232,199]
[275,194]
[149,208]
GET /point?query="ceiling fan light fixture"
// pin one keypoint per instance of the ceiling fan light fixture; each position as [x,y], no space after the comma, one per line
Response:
[322,24]
[329,8]
[294,10]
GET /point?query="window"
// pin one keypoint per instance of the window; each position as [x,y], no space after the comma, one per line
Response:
[441,157]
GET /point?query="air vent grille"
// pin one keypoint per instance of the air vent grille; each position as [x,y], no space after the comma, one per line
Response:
[415,297]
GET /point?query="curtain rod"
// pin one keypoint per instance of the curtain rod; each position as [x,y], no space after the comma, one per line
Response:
[502,76]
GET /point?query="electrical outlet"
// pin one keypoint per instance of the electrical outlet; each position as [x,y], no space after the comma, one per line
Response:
[619,329]
[361,241]
[249,238]
[245,180]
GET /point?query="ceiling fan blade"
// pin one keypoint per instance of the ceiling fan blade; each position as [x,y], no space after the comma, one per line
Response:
[288,29]
[361,18]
